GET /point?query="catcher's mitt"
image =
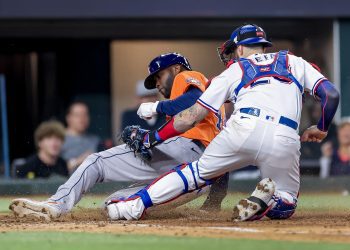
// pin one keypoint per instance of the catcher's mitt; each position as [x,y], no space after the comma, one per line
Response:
[134,136]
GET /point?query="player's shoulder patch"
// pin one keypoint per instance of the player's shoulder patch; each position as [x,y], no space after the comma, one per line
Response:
[195,78]
[192,80]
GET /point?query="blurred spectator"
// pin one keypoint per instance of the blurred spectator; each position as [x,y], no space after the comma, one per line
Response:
[130,117]
[78,144]
[335,160]
[49,138]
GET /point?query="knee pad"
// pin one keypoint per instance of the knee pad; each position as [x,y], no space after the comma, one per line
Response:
[189,175]
[282,208]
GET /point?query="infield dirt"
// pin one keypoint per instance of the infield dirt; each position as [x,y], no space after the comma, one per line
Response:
[311,226]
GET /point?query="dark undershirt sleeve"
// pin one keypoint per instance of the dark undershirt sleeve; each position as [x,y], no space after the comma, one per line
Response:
[329,97]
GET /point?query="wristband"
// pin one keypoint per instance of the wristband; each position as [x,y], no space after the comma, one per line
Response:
[168,131]
[151,139]
[163,133]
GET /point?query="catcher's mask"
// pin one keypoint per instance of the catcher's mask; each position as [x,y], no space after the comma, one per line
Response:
[226,52]
[248,34]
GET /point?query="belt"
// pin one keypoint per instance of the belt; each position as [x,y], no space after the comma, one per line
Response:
[199,144]
[283,120]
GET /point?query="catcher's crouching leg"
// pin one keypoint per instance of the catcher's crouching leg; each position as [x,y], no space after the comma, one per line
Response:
[283,206]
[217,193]
[179,181]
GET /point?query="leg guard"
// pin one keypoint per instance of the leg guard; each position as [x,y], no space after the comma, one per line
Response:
[179,181]
[183,199]
[124,193]
[163,189]
[283,206]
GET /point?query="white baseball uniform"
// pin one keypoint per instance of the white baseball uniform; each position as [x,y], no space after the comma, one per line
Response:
[275,146]
[262,131]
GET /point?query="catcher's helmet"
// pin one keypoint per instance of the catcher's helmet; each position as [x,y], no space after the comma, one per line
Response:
[247,34]
[250,34]
[162,62]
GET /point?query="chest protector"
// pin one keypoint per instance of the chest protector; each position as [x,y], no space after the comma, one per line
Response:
[278,69]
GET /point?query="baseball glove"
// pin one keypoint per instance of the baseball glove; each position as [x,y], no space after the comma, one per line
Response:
[134,136]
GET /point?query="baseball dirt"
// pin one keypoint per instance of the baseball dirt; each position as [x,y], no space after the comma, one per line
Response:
[327,226]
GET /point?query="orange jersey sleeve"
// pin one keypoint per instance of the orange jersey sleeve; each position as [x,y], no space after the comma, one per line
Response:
[184,80]
[210,126]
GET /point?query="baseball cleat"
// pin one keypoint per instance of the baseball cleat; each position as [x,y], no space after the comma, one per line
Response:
[255,207]
[44,210]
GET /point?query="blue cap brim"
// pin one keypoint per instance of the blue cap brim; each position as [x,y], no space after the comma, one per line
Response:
[255,40]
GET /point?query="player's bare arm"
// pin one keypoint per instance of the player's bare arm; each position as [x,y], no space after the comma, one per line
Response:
[189,118]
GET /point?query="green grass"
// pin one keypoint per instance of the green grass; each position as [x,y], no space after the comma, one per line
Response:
[307,201]
[89,241]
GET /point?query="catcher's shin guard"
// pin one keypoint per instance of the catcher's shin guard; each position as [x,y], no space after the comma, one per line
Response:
[282,208]
[179,181]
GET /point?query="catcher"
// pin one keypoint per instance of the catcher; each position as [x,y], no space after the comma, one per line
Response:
[172,75]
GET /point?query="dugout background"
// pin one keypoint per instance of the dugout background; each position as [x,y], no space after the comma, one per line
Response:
[45,71]
[54,53]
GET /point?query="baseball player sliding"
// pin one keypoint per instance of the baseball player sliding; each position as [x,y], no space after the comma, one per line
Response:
[172,75]
[266,89]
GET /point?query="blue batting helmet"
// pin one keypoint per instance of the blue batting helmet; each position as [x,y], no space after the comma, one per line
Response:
[162,62]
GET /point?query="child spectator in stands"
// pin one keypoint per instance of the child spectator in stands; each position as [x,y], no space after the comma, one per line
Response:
[335,161]
[49,138]
[78,143]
